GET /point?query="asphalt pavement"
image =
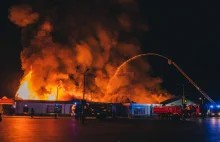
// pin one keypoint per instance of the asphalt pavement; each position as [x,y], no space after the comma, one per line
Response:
[66,129]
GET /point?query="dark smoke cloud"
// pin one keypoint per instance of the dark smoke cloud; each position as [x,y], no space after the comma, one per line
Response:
[67,37]
[23,15]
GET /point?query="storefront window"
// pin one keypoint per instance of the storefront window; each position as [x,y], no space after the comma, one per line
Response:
[58,108]
[25,109]
[54,108]
[139,111]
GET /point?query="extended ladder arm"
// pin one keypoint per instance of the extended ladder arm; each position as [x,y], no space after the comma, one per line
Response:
[192,82]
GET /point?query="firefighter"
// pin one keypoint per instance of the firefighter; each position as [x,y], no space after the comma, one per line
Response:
[0,117]
[32,112]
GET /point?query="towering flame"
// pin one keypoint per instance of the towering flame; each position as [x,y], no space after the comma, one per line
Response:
[26,91]
[66,38]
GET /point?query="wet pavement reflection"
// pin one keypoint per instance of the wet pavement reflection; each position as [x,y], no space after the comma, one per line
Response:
[48,129]
[211,127]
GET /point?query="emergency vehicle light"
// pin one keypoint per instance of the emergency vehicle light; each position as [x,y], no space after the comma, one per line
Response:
[211,106]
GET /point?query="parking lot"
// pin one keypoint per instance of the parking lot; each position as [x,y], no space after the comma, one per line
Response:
[66,129]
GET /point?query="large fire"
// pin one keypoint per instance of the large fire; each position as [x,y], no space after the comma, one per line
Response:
[60,46]
[26,91]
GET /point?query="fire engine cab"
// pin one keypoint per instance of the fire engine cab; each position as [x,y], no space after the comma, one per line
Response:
[176,112]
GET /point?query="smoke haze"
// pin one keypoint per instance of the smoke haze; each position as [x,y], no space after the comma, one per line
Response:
[63,39]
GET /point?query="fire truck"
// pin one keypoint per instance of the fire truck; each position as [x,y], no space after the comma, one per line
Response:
[97,110]
[177,112]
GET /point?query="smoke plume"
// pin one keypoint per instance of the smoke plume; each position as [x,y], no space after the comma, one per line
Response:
[23,15]
[63,39]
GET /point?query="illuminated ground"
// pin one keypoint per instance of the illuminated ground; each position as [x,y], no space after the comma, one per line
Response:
[46,129]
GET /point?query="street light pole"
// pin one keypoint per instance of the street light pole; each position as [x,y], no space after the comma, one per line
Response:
[84,89]
[84,83]
[56,113]
[57,92]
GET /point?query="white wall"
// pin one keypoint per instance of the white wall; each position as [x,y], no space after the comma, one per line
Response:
[40,108]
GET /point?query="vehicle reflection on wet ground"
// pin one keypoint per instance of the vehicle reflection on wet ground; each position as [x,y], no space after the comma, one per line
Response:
[46,129]
[211,128]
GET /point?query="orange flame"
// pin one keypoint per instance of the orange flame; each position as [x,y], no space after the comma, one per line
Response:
[26,91]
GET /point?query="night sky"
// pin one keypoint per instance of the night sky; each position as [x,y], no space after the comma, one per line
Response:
[189,36]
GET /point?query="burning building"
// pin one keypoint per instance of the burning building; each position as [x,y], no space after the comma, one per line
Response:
[62,40]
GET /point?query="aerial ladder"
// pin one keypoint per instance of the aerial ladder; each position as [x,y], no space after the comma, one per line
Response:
[170,62]
[192,82]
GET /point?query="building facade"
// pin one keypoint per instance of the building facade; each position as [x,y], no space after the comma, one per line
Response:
[43,107]
[140,110]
